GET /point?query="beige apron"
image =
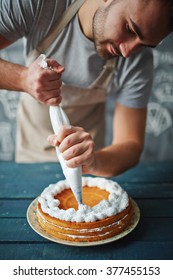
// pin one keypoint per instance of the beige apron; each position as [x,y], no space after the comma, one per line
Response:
[85,107]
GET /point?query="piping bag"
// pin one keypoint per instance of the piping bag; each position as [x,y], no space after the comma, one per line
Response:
[58,119]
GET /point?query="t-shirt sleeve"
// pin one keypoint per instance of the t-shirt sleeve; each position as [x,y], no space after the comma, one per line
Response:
[133,79]
[17,17]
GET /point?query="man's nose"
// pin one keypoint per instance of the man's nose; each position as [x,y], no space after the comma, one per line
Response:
[129,48]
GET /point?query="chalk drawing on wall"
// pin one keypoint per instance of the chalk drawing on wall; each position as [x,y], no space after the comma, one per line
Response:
[6,141]
[163,85]
[160,113]
[158,119]
[164,93]
[163,54]
[9,100]
[8,109]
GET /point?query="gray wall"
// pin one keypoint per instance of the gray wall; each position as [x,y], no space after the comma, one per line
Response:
[8,106]
[159,130]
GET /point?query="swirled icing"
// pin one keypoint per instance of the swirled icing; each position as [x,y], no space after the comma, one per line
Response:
[116,202]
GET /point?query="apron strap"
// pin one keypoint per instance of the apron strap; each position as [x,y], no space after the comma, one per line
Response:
[60,25]
[55,30]
[106,74]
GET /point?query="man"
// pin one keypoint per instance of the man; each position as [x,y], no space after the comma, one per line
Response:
[94,32]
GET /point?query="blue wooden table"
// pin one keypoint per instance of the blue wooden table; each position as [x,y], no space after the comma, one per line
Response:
[150,185]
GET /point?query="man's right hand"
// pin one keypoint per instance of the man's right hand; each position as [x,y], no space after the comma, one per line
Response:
[43,84]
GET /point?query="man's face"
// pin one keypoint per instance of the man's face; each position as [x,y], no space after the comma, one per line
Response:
[123,27]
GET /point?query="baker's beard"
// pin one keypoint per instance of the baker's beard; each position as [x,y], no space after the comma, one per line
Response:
[100,42]
[98,30]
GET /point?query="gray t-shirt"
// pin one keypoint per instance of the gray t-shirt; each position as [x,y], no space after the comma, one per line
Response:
[32,19]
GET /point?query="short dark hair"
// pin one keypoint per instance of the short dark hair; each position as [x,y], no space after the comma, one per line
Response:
[171,9]
[169,5]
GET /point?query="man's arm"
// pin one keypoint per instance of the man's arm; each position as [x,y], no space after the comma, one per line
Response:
[77,146]
[127,144]
[10,74]
[43,85]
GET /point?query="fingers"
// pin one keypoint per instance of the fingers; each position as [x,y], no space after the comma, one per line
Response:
[79,155]
[44,84]
[55,66]
[70,136]
[46,75]
[53,140]
[48,92]
[76,146]
[53,101]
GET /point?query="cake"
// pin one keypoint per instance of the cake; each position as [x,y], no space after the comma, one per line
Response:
[106,210]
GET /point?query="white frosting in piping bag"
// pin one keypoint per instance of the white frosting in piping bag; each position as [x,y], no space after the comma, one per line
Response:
[73,175]
[117,201]
[58,119]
